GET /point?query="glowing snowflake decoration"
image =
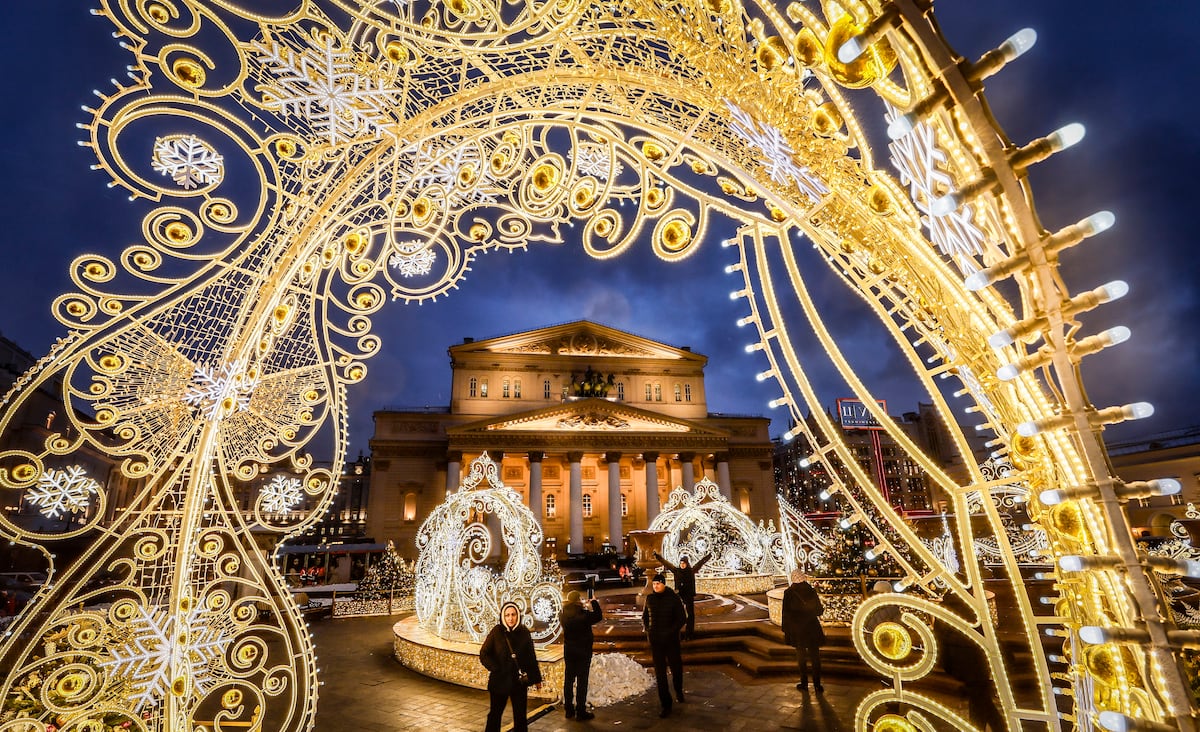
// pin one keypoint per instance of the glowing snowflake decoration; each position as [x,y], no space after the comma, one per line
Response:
[154,647]
[456,168]
[919,162]
[188,160]
[325,86]
[219,392]
[412,265]
[543,610]
[778,155]
[704,521]
[282,494]
[62,491]
[595,160]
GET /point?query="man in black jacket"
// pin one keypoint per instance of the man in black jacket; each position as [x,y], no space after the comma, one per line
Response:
[685,586]
[663,619]
[577,621]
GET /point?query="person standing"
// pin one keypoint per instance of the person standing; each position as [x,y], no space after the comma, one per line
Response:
[802,627]
[507,653]
[663,619]
[577,621]
[685,586]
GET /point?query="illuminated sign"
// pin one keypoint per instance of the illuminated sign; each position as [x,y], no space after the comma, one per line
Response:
[854,415]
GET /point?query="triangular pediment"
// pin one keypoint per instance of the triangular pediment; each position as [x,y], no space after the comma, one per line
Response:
[586,415]
[581,338]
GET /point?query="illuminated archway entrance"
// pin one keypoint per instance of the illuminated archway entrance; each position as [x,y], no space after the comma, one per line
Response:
[303,168]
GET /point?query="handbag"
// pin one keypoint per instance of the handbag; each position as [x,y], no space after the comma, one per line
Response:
[522,677]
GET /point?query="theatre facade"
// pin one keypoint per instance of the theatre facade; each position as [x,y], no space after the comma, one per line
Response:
[593,426]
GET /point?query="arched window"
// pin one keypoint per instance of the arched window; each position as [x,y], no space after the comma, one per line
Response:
[474,387]
[410,507]
[657,392]
[551,510]
[483,389]
[516,388]
[504,388]
[678,393]
[587,505]
[624,505]
[621,390]
[687,392]
[648,394]
[546,389]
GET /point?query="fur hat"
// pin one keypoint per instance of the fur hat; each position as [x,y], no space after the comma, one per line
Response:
[573,597]
[659,577]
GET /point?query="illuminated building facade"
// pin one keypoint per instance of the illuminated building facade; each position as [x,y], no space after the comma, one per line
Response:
[592,425]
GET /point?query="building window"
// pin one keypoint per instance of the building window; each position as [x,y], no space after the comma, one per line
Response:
[621,391]
[516,388]
[483,389]
[504,388]
[474,387]
[546,389]
[624,505]
[410,507]
[649,395]
[687,392]
[551,510]
[587,505]
[678,393]
[657,392]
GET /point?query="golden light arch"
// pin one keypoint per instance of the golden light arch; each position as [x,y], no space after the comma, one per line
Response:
[299,169]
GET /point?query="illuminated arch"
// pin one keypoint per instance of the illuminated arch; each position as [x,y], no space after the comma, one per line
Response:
[308,165]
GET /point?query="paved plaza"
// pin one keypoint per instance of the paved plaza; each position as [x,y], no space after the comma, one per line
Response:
[366,690]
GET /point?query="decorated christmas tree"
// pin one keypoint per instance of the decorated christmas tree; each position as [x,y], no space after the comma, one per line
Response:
[390,577]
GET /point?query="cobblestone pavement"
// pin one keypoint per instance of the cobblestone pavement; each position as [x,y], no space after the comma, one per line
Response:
[364,689]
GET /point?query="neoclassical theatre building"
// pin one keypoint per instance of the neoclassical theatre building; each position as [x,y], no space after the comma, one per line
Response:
[592,425]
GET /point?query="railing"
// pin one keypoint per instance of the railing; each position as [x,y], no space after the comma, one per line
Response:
[352,606]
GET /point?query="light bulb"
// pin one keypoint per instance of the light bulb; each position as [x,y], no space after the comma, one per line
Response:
[1067,136]
[1052,497]
[1116,335]
[1021,41]
[1138,410]
[1115,290]
[763,375]
[825,495]
[1098,222]
[731,268]
[1028,429]
[901,126]
[944,205]
[743,322]
[738,293]
[1000,339]
[776,403]
[850,50]
[977,281]
[1092,634]
[752,347]
[1007,372]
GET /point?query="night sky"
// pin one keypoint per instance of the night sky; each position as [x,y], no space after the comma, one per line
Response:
[1125,70]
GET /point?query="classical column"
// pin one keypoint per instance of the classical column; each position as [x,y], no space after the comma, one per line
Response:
[688,468]
[723,474]
[453,471]
[652,505]
[535,486]
[616,532]
[575,523]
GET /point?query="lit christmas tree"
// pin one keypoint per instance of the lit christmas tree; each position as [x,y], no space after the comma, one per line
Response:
[390,577]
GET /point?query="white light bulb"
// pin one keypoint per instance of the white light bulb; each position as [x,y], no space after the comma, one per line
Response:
[825,495]
[743,322]
[901,126]
[1067,136]
[944,205]
[1007,372]
[1092,634]
[1115,290]
[1114,722]
[1052,497]
[1138,410]
[1028,429]
[788,436]
[752,347]
[977,281]
[1021,41]
[1116,335]
[1071,563]
[1098,222]
[1166,486]
[731,268]
[1000,339]
[763,375]
[776,403]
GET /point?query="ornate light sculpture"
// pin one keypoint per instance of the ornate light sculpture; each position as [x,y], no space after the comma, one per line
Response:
[704,522]
[299,167]
[458,594]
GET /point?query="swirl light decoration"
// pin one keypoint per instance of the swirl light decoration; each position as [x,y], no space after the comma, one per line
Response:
[297,168]
[458,594]
[703,522]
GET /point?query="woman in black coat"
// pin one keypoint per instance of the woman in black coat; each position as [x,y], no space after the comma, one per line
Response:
[506,654]
[802,627]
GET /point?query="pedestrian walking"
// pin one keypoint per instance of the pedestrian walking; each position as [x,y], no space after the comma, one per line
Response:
[577,620]
[685,586]
[802,628]
[663,619]
[507,653]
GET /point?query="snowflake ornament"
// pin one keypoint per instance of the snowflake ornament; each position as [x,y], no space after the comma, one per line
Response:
[63,491]
[154,647]
[593,159]
[412,265]
[282,494]
[219,392]
[446,164]
[188,160]
[777,154]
